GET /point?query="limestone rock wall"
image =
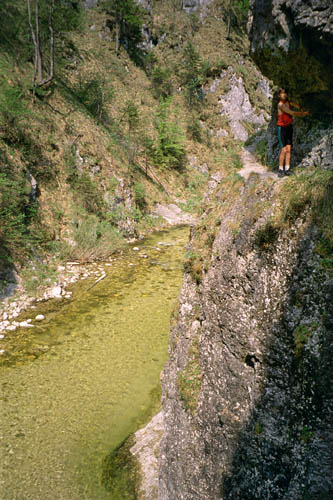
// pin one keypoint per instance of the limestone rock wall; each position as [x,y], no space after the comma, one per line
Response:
[260,423]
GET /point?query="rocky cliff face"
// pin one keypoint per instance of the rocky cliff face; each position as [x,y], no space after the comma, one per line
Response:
[292,43]
[247,394]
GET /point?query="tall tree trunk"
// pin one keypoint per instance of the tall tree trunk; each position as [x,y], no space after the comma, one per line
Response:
[38,48]
[37,57]
[229,17]
[35,35]
[117,36]
[51,30]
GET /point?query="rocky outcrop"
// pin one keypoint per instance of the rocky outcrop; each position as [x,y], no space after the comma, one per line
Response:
[247,397]
[292,43]
[191,6]
[236,105]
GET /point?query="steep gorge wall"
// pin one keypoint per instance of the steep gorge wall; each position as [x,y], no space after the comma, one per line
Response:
[253,419]
[247,393]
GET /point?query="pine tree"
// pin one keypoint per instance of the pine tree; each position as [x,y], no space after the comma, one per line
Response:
[126,16]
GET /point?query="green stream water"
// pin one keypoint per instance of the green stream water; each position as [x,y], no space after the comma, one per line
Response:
[95,378]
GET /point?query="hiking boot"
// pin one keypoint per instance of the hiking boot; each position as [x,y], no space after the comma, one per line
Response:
[287,172]
[280,173]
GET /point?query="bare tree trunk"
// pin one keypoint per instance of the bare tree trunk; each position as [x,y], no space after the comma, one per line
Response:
[117,36]
[35,42]
[229,20]
[51,30]
[38,48]
[38,61]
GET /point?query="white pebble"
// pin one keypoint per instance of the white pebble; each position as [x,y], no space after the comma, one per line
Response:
[39,317]
[11,328]
[25,324]
[135,249]
[2,351]
[2,336]
[5,316]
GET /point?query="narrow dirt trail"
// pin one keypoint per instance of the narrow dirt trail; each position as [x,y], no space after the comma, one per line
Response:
[251,165]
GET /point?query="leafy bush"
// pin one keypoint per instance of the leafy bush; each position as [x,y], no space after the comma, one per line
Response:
[139,194]
[94,238]
[126,16]
[191,77]
[161,83]
[17,213]
[37,275]
[91,92]
[170,148]
[194,130]
[131,114]
[213,70]
[312,190]
[87,190]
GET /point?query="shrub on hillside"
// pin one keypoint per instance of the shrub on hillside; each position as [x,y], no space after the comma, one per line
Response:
[170,149]
[91,92]
[94,239]
[161,83]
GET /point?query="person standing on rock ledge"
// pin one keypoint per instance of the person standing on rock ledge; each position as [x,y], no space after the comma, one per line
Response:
[285,130]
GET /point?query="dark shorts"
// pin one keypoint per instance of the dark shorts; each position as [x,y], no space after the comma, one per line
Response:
[285,135]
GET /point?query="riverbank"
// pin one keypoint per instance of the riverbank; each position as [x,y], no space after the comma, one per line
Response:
[16,306]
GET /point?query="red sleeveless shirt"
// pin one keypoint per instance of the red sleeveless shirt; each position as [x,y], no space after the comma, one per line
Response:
[284,120]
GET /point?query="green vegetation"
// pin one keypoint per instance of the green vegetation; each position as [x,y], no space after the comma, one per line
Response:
[95,239]
[301,336]
[102,150]
[120,472]
[258,428]
[38,275]
[311,191]
[306,434]
[161,82]
[126,19]
[189,379]
[260,151]
[266,235]
[169,150]
[191,76]
[140,195]
[19,228]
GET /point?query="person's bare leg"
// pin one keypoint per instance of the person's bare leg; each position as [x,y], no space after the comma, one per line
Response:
[288,154]
[282,157]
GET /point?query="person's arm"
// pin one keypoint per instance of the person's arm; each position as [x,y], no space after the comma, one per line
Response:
[294,105]
[286,109]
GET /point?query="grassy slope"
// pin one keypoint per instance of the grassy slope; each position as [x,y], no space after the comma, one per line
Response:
[79,161]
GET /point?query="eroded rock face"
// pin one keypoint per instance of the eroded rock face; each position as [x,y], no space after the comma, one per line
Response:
[236,105]
[195,5]
[292,43]
[262,318]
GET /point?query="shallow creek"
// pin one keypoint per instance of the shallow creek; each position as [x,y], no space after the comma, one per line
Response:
[95,378]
